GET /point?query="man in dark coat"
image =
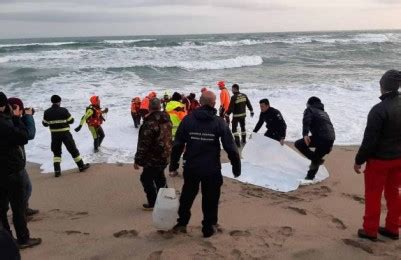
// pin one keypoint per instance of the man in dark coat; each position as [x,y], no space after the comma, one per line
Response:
[317,122]
[200,134]
[381,150]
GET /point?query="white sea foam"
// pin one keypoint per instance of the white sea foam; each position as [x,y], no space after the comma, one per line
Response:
[36,44]
[128,41]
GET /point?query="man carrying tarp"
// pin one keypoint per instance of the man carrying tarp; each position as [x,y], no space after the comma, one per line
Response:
[381,150]
[317,122]
[238,104]
[200,134]
[275,124]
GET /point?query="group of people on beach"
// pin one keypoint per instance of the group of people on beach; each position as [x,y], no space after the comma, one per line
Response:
[182,125]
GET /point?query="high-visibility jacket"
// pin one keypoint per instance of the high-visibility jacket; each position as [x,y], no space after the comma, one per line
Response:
[93,116]
[176,111]
[225,99]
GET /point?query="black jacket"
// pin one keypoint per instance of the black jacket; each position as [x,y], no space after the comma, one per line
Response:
[317,122]
[57,118]
[154,141]
[382,138]
[238,104]
[200,133]
[13,136]
[275,124]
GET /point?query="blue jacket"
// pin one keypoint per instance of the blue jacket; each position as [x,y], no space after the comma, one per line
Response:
[200,133]
[29,123]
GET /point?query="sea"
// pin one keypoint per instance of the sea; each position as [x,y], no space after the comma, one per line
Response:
[342,68]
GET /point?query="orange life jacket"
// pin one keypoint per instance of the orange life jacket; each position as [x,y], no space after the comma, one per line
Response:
[225,99]
[145,103]
[96,119]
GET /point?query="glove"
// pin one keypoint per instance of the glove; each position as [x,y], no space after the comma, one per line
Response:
[237,170]
[78,128]
[106,110]
[252,113]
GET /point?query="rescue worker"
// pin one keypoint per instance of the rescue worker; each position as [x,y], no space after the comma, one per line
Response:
[135,113]
[381,150]
[275,124]
[200,133]
[317,122]
[144,110]
[58,119]
[13,135]
[153,151]
[94,119]
[238,104]
[224,101]
[193,103]
[165,100]
[176,111]
[26,115]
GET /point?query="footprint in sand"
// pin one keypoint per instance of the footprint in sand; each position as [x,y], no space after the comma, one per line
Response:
[236,254]
[357,244]
[286,231]
[355,197]
[240,233]
[126,234]
[155,255]
[73,232]
[298,210]
[339,223]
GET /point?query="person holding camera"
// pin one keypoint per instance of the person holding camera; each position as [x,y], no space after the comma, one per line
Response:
[94,118]
[58,119]
[26,115]
[13,136]
[200,134]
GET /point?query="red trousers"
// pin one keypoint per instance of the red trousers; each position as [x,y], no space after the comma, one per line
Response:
[382,175]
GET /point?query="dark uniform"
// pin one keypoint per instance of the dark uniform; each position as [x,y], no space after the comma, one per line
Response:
[275,124]
[58,119]
[238,104]
[317,122]
[200,133]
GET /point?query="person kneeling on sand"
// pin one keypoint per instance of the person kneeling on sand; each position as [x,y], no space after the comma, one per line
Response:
[200,134]
[381,150]
[318,122]
[153,151]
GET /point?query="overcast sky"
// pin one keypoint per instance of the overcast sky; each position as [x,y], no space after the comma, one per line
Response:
[49,18]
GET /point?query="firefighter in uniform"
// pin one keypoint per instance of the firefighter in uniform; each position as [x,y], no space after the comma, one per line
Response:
[94,118]
[58,119]
[238,104]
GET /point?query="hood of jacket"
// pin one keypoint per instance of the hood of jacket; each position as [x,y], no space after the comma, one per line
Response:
[205,113]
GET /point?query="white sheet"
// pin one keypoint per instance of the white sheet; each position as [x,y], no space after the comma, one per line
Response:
[268,164]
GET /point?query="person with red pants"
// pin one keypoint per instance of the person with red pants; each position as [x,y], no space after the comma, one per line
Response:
[381,150]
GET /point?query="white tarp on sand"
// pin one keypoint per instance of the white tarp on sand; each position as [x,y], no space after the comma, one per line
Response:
[268,164]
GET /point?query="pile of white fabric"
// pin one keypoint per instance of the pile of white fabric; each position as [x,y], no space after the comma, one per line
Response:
[267,164]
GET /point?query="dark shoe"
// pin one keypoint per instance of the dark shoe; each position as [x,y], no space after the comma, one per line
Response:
[84,167]
[208,231]
[180,229]
[310,176]
[57,169]
[30,243]
[57,174]
[31,212]
[384,232]
[147,207]
[362,234]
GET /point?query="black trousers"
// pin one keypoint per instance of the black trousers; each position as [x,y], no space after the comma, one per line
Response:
[12,192]
[273,136]
[241,122]
[211,187]
[63,138]
[136,117]
[97,141]
[8,248]
[152,180]
[322,147]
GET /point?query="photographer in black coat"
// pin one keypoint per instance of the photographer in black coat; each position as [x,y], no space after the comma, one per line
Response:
[317,122]
[200,134]
[13,136]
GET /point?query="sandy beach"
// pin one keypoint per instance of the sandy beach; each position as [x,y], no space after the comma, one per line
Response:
[98,215]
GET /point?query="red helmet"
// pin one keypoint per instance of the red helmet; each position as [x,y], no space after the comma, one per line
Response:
[221,84]
[95,100]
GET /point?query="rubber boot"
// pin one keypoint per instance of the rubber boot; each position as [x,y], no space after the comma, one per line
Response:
[57,169]
[100,140]
[83,166]
[96,145]
[237,141]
